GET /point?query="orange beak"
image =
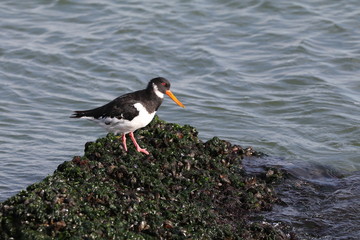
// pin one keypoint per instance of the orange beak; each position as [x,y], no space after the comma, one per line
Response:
[172,96]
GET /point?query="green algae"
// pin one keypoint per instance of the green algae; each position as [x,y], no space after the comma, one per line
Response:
[185,189]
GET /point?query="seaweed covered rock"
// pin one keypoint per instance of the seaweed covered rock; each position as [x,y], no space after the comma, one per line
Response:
[185,189]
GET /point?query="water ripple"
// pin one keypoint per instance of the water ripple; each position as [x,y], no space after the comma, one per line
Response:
[280,76]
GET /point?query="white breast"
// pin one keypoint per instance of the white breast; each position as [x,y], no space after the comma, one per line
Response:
[116,126]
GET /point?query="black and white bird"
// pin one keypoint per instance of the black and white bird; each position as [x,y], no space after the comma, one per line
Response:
[131,111]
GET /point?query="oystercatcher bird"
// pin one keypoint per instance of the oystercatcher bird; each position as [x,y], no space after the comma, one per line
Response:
[131,111]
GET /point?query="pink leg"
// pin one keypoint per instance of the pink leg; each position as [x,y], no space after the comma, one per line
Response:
[124,142]
[138,148]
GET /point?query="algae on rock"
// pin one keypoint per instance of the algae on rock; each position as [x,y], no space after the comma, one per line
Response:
[185,189]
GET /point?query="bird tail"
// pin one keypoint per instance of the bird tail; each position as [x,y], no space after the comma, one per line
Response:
[80,114]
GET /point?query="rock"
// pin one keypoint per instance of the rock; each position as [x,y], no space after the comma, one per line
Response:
[185,189]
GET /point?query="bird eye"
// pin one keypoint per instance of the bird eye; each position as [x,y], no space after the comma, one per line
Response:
[164,84]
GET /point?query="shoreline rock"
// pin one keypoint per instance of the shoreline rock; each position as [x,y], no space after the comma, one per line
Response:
[185,189]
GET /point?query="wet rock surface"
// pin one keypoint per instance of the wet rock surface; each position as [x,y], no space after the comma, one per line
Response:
[185,189]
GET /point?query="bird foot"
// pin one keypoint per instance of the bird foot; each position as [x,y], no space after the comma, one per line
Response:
[138,148]
[142,150]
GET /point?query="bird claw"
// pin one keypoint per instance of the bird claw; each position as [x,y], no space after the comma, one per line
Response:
[143,150]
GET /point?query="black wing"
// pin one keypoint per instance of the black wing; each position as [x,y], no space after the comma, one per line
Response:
[121,107]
